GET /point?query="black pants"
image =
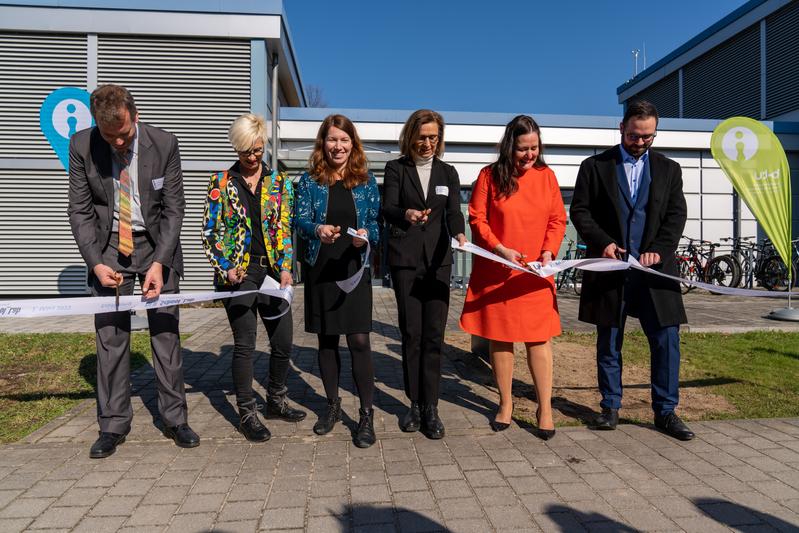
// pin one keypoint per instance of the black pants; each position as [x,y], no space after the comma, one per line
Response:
[422,304]
[243,312]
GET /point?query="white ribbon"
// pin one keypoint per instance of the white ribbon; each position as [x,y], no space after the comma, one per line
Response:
[348,285]
[601,264]
[107,304]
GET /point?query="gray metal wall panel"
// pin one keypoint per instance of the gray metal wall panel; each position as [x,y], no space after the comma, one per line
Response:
[32,65]
[192,88]
[782,61]
[665,94]
[725,82]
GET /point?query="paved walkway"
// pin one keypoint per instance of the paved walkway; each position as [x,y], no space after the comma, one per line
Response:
[737,475]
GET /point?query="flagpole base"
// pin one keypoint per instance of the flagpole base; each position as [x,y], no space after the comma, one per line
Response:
[788,314]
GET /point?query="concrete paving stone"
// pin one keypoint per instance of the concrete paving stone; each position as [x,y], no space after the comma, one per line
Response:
[789,477]
[776,490]
[329,488]
[293,469]
[604,481]
[697,491]
[285,483]
[368,464]
[529,485]
[409,482]
[13,525]
[675,506]
[191,523]
[474,462]
[574,492]
[651,487]
[373,477]
[730,514]
[255,476]
[486,478]
[558,474]
[400,467]
[782,519]
[398,455]
[647,518]
[59,517]
[21,481]
[425,446]
[225,469]
[675,477]
[327,524]
[564,521]
[201,503]
[286,498]
[758,443]
[363,515]
[239,526]
[450,489]
[495,496]
[283,518]
[437,459]
[700,524]
[329,473]
[783,455]
[746,472]
[131,487]
[414,501]
[163,495]
[212,485]
[418,522]
[515,469]
[152,515]
[26,507]
[624,499]
[176,478]
[331,505]
[48,488]
[767,464]
[116,506]
[246,510]
[510,517]
[739,450]
[369,494]
[461,508]
[100,524]
[66,471]
[145,471]
[586,466]
[499,455]
[468,525]
[8,495]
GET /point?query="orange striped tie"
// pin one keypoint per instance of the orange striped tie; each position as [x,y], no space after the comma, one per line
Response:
[125,226]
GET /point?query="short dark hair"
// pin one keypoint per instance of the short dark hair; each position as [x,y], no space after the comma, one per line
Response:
[410,131]
[107,102]
[640,109]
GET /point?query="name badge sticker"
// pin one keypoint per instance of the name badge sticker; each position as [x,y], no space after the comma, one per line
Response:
[442,189]
[158,183]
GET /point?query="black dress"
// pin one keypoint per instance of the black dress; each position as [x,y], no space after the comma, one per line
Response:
[328,309]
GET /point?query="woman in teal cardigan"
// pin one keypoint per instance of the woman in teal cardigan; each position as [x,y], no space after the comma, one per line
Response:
[338,193]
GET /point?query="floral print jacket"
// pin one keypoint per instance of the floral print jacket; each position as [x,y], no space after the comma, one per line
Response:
[226,226]
[312,212]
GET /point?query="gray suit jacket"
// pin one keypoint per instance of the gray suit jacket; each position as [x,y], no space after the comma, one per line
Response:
[91,193]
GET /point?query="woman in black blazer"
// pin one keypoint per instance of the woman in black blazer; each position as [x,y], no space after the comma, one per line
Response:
[421,202]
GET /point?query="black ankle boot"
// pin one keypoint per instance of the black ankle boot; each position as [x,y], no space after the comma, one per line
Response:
[328,420]
[365,434]
[412,419]
[278,407]
[250,425]
[432,426]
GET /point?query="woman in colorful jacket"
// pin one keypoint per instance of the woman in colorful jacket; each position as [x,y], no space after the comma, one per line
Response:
[247,236]
[338,193]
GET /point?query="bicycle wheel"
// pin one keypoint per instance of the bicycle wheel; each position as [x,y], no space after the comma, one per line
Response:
[723,271]
[689,270]
[774,275]
[577,278]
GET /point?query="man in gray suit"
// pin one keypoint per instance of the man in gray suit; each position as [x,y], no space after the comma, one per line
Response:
[126,207]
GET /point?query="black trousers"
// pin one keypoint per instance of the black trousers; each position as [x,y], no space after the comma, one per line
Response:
[422,304]
[243,313]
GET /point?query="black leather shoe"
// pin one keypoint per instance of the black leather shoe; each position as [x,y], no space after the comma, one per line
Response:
[432,426]
[328,420]
[671,425]
[250,425]
[498,426]
[183,436]
[544,434]
[365,434]
[412,420]
[607,421]
[106,445]
[279,408]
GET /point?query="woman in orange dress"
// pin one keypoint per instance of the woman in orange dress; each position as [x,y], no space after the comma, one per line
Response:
[517,212]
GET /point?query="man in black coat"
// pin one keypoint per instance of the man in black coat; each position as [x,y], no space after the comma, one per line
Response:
[629,201]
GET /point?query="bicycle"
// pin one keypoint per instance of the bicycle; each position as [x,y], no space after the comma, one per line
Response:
[699,263]
[574,276]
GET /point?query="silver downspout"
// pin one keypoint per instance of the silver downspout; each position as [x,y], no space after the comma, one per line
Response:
[275,109]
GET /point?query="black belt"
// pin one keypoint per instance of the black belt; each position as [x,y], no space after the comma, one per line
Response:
[260,260]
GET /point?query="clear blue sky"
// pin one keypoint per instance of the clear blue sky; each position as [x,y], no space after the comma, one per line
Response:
[530,56]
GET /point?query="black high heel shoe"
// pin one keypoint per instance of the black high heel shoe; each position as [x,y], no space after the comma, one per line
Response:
[499,426]
[543,434]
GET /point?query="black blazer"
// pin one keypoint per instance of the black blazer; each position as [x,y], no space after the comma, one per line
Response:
[595,214]
[402,190]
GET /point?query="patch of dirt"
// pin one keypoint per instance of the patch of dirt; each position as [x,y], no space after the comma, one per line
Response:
[575,396]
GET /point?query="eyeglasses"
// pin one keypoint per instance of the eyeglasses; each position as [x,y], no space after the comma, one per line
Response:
[258,152]
[432,139]
[646,138]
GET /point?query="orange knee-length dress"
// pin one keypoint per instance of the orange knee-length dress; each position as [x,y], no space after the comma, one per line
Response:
[503,304]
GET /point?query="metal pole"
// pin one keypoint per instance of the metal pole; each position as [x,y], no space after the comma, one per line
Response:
[275,110]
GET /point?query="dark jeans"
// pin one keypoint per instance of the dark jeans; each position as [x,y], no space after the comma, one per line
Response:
[664,348]
[243,312]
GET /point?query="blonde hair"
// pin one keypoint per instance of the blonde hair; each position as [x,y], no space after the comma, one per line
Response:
[246,130]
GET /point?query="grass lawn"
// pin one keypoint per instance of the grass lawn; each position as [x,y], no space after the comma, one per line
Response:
[758,372]
[44,375]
